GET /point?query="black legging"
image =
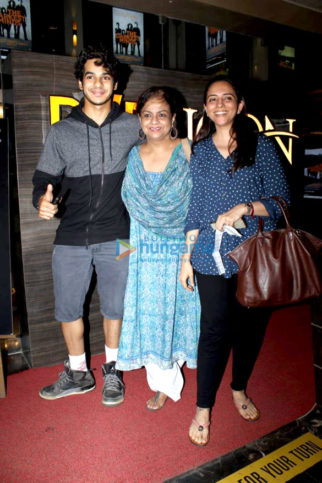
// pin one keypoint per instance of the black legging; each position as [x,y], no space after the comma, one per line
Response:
[226,325]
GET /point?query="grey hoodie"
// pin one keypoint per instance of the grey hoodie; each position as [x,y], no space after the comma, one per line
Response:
[85,163]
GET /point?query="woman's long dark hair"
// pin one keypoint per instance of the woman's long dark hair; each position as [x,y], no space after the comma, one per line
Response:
[242,130]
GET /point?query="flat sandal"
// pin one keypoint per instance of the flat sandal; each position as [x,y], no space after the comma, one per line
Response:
[155,401]
[200,427]
[244,406]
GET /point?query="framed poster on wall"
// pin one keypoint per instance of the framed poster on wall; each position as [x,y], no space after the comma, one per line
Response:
[215,46]
[313,172]
[15,24]
[286,57]
[128,36]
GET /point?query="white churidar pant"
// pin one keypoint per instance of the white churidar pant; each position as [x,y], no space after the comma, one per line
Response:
[168,381]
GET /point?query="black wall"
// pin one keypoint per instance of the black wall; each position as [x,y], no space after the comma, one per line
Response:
[5,270]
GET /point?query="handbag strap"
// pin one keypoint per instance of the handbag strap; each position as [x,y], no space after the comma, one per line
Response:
[284,209]
[187,148]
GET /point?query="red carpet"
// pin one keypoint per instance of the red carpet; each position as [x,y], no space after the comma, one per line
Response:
[77,439]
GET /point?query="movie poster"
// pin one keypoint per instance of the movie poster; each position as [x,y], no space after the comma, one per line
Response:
[128,36]
[313,172]
[286,57]
[15,24]
[215,46]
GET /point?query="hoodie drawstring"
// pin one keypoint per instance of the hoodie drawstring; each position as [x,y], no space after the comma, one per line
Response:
[102,172]
[110,126]
[89,168]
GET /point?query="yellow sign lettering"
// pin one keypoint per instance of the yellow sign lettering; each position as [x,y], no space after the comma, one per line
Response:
[56,103]
[190,113]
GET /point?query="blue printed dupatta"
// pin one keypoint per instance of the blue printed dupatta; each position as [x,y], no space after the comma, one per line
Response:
[161,209]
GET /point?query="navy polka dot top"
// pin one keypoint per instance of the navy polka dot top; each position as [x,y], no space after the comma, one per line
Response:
[216,190]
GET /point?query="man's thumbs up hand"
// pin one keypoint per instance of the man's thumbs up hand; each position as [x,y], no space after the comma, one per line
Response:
[46,209]
[48,196]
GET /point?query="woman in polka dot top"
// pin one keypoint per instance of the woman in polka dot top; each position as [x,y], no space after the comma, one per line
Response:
[235,172]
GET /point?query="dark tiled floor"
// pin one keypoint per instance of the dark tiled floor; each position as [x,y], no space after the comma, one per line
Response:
[312,475]
[225,465]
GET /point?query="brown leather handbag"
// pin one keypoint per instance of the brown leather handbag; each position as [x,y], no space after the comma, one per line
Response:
[277,267]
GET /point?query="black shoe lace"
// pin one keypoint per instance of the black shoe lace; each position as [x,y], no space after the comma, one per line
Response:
[64,377]
[112,382]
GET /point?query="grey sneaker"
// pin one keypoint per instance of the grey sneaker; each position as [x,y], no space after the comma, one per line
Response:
[113,388]
[69,382]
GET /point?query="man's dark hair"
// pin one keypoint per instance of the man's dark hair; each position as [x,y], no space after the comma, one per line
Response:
[104,58]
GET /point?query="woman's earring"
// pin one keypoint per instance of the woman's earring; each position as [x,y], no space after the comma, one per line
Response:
[173,133]
[142,136]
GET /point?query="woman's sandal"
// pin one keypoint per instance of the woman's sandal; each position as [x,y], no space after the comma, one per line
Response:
[201,427]
[155,400]
[244,406]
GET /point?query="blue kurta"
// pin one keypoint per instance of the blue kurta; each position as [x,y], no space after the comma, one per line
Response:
[161,319]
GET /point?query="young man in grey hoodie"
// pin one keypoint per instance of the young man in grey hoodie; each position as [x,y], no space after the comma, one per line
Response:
[83,163]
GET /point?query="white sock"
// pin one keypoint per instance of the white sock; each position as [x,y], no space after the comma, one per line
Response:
[78,363]
[110,354]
